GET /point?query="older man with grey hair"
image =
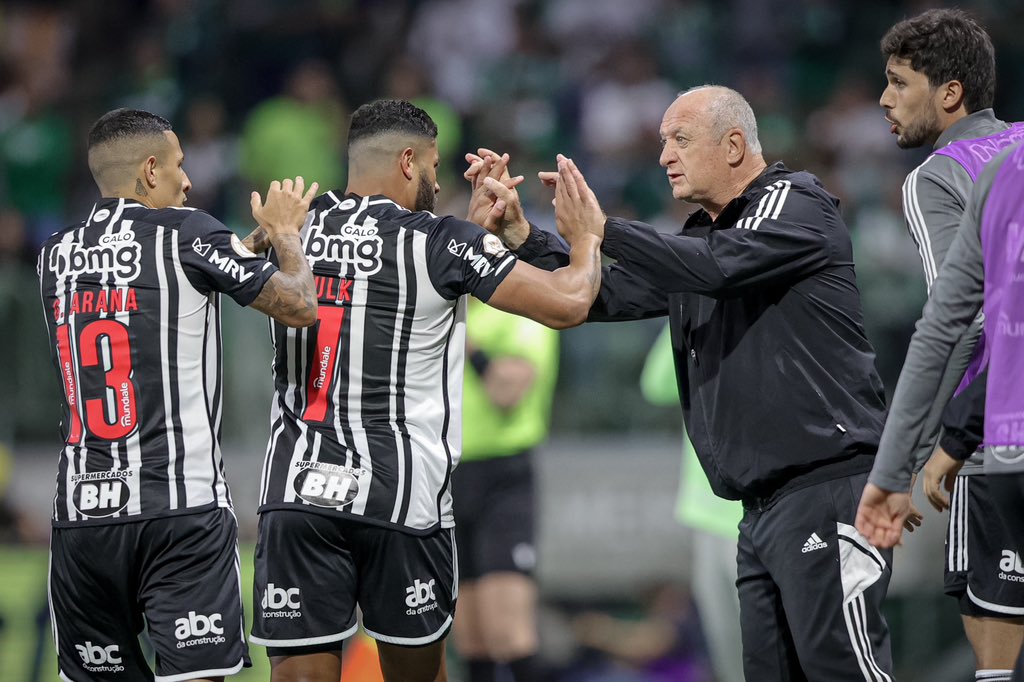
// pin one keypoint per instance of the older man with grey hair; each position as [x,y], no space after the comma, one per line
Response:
[777,380]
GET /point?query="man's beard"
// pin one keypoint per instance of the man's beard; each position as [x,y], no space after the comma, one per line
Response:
[425,197]
[921,132]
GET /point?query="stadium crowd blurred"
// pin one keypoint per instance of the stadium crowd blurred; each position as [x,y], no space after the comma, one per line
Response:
[260,89]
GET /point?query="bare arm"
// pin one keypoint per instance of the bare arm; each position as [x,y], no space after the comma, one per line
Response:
[562,298]
[289,296]
[559,299]
[258,240]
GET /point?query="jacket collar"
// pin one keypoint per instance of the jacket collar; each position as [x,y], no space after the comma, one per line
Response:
[728,215]
[985,118]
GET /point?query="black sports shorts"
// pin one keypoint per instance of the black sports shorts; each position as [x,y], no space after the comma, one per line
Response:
[312,570]
[178,577]
[494,515]
[983,568]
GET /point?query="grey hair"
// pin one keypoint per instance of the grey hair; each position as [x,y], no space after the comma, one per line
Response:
[729,109]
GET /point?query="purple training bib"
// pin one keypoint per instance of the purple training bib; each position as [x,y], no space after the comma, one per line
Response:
[1002,241]
[974,155]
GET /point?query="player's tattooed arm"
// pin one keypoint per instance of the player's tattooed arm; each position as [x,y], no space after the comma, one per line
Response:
[289,296]
[258,240]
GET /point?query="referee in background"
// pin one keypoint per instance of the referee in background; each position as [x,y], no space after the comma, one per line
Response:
[506,408]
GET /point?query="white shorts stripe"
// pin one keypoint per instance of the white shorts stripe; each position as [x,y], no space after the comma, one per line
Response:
[305,641]
[998,608]
[412,641]
[201,674]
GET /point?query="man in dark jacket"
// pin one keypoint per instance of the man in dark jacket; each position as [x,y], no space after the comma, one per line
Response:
[777,379]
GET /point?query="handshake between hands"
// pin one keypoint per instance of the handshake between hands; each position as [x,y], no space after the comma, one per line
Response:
[495,206]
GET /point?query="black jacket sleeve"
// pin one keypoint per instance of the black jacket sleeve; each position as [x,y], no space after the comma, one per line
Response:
[624,295]
[782,236]
[963,420]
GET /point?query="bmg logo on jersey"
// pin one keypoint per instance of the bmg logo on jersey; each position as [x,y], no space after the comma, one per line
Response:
[98,498]
[276,599]
[118,255]
[1010,567]
[100,659]
[419,597]
[194,629]
[355,248]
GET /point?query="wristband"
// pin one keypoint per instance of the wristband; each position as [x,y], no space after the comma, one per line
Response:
[479,361]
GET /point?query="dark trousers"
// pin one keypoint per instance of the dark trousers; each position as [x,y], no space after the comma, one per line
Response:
[810,589]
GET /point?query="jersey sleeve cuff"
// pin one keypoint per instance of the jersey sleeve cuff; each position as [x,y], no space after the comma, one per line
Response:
[535,246]
[896,483]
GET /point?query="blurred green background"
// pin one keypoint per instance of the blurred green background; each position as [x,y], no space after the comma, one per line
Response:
[263,88]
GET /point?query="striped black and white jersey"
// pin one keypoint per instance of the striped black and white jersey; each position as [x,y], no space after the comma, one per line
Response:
[366,418]
[131,298]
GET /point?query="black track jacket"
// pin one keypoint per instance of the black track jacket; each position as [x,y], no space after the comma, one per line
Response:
[776,376]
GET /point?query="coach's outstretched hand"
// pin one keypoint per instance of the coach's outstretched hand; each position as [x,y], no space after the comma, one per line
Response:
[286,206]
[576,208]
[881,516]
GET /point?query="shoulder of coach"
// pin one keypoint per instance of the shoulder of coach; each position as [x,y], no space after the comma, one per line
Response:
[775,188]
[784,199]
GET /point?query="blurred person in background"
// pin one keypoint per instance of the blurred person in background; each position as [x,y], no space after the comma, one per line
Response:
[212,152]
[619,116]
[507,394]
[356,506]
[151,82]
[36,150]
[715,523]
[143,530]
[301,131]
[15,526]
[407,79]
[778,386]
[941,75]
[660,643]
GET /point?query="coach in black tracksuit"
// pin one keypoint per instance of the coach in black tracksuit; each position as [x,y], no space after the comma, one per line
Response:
[779,389]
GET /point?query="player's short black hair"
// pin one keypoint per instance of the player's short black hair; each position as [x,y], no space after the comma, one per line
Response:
[123,124]
[946,45]
[390,116]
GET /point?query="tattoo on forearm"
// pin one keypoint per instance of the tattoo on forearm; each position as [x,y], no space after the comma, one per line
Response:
[140,189]
[294,293]
[257,241]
